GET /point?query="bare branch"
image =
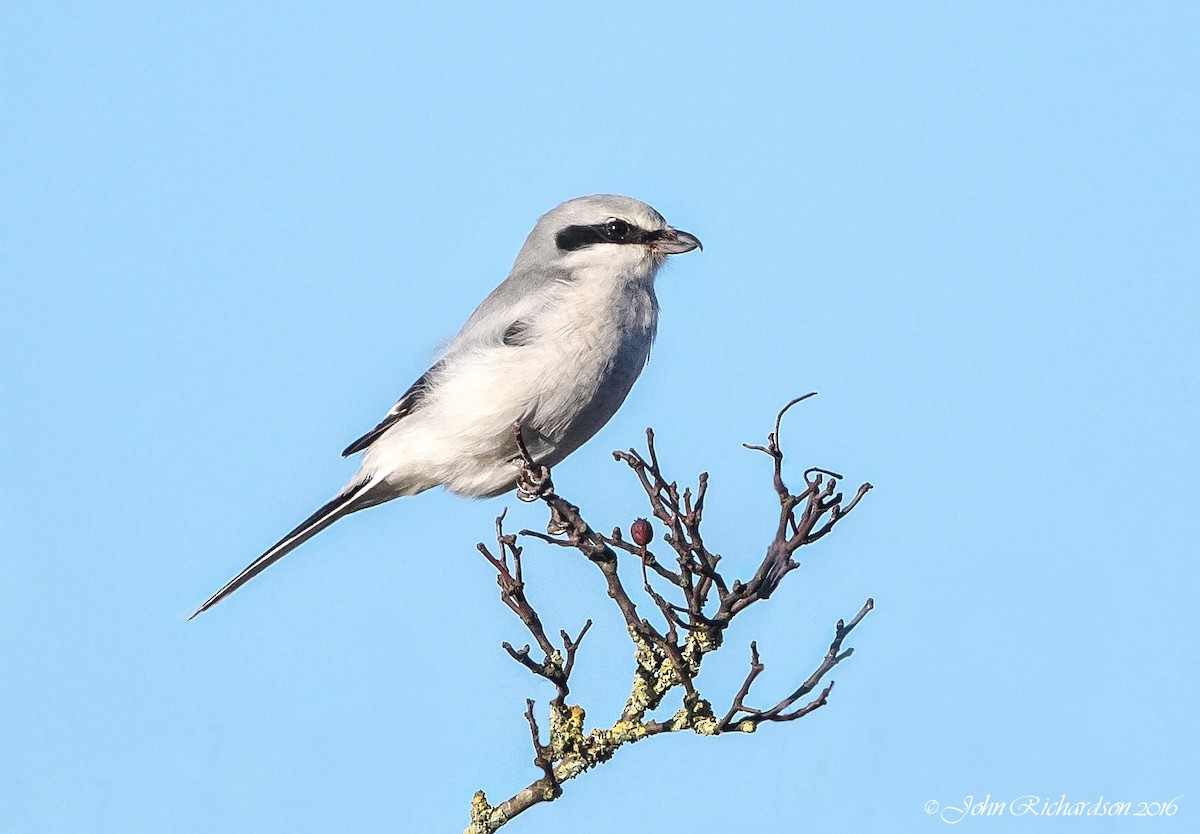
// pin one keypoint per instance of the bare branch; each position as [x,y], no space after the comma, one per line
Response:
[799,517]
[539,752]
[739,700]
[669,659]
[833,657]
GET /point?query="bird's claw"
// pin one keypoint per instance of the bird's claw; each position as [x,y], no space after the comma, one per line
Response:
[533,482]
[533,478]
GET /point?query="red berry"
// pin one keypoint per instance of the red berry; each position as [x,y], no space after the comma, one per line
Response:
[642,532]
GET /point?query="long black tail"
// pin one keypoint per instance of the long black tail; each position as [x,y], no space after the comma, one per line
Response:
[346,502]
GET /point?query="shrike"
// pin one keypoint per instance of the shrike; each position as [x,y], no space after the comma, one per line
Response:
[556,348]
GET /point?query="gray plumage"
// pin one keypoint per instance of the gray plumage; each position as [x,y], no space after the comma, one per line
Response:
[557,347]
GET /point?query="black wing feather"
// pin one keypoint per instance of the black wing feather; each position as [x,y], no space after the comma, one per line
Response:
[403,407]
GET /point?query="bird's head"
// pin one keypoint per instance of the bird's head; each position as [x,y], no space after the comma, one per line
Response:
[604,231]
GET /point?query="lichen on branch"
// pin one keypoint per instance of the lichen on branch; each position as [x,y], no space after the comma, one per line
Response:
[667,656]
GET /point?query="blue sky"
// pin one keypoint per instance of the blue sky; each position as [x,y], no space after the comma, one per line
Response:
[232,236]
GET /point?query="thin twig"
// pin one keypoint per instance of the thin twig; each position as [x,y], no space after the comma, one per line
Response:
[669,659]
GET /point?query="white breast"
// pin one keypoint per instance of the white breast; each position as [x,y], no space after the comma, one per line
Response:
[587,346]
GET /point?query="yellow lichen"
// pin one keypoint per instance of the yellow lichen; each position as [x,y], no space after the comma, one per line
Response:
[566,731]
[479,806]
[484,819]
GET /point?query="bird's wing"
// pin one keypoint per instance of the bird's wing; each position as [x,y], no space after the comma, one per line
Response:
[503,317]
[403,407]
[521,296]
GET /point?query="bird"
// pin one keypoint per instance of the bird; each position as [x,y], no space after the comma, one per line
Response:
[554,349]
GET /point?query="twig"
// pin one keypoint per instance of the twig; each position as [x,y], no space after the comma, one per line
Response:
[669,659]
[833,657]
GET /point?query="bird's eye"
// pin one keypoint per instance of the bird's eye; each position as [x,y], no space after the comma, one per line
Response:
[616,230]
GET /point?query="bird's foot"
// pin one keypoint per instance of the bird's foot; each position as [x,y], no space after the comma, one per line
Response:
[533,482]
[533,478]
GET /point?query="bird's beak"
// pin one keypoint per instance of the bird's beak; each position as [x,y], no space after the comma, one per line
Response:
[674,242]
